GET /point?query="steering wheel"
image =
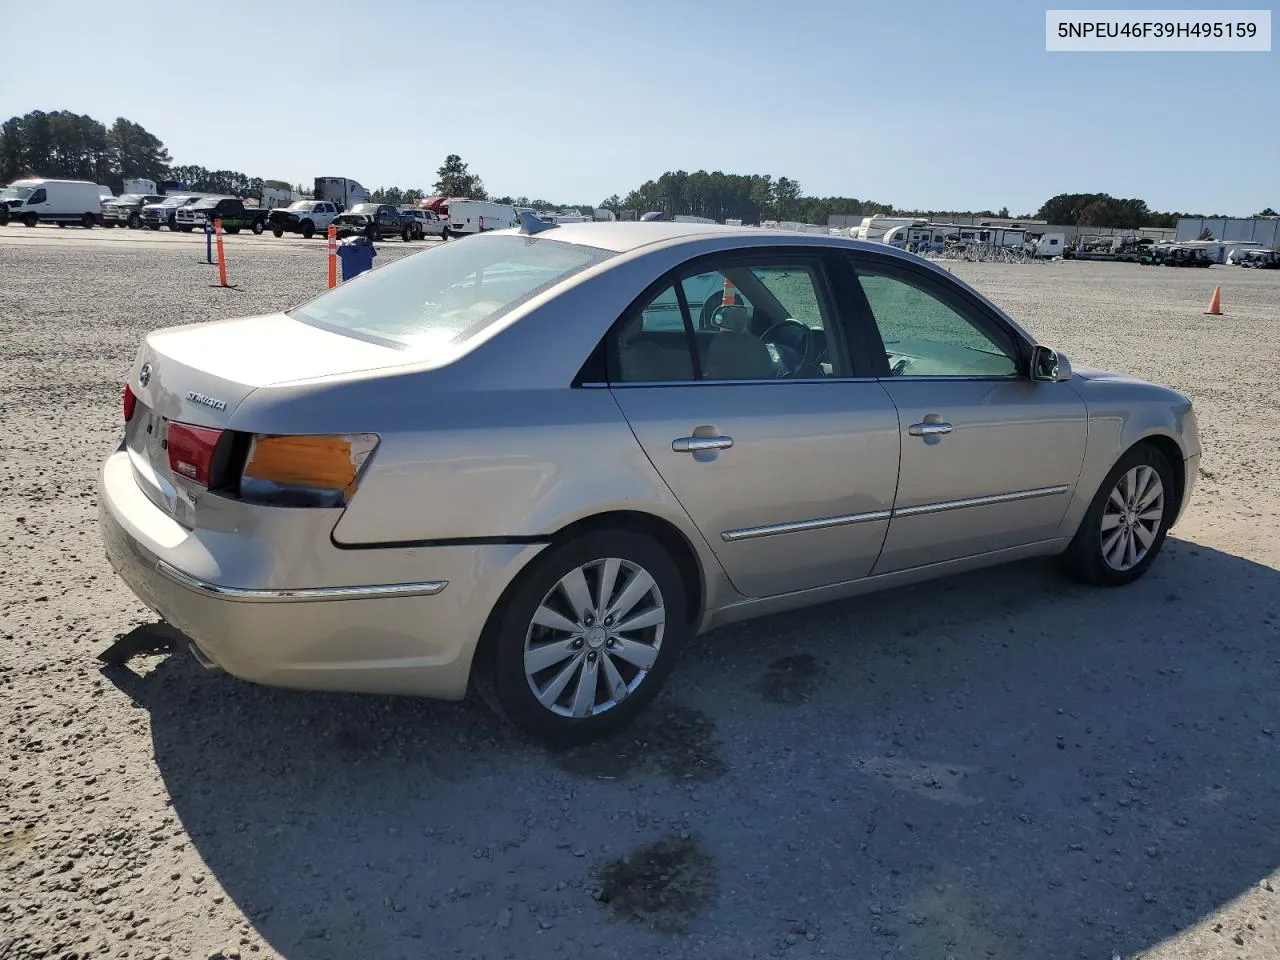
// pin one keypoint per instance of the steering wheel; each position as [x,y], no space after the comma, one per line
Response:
[800,344]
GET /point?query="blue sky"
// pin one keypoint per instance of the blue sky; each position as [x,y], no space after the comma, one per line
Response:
[926,104]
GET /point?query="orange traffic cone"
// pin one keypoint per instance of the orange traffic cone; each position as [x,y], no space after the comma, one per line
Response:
[1215,303]
[730,296]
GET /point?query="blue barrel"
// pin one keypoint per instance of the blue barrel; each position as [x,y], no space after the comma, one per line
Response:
[356,255]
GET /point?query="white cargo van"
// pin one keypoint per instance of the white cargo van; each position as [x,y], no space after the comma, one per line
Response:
[472,216]
[51,201]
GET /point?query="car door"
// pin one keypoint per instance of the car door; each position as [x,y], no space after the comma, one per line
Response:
[990,457]
[783,452]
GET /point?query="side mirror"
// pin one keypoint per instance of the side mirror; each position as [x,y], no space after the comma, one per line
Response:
[1049,366]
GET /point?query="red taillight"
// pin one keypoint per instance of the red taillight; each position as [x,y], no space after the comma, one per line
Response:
[191,451]
[130,401]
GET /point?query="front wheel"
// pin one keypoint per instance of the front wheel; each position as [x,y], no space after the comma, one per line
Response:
[585,638]
[30,219]
[1127,522]
[135,221]
[277,233]
[257,228]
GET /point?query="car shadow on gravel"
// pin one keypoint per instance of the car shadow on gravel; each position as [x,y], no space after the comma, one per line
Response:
[999,765]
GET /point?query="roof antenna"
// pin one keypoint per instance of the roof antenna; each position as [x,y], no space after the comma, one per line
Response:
[531,223]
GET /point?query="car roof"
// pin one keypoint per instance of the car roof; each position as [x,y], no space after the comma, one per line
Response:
[622,237]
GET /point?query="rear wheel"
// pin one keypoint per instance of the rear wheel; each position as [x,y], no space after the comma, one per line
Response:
[135,221]
[277,233]
[308,229]
[257,228]
[87,221]
[1126,524]
[585,638]
[233,230]
[445,234]
[406,235]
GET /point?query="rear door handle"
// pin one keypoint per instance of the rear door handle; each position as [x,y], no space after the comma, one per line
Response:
[928,429]
[697,444]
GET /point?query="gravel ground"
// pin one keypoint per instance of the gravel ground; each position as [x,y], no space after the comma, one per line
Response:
[1001,765]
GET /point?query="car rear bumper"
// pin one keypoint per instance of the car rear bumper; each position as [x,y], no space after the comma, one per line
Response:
[275,602]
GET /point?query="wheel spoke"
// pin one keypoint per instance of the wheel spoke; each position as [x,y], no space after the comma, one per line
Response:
[574,585]
[1145,536]
[1117,497]
[1127,484]
[1130,549]
[544,616]
[1109,545]
[551,692]
[548,655]
[1141,480]
[1110,521]
[1152,515]
[639,585]
[650,618]
[635,653]
[608,581]
[617,686]
[584,698]
[1154,493]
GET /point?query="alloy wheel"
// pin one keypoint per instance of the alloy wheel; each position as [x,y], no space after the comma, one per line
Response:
[1131,518]
[594,637]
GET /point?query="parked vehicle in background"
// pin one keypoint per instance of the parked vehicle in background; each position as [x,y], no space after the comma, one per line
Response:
[37,200]
[273,197]
[372,220]
[1187,257]
[369,513]
[340,191]
[162,187]
[164,214]
[126,209]
[476,216]
[302,216]
[235,216]
[1260,259]
[105,193]
[425,223]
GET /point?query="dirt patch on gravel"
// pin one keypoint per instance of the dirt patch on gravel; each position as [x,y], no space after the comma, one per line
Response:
[663,885]
[791,679]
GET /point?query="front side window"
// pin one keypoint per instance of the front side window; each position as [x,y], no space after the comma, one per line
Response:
[448,294]
[739,321]
[39,195]
[926,334]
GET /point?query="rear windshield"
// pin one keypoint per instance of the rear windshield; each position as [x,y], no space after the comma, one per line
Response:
[449,293]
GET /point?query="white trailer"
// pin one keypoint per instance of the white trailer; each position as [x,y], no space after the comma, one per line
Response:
[875,227]
[474,216]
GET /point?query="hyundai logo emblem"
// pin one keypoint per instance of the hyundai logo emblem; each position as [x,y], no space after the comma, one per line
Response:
[144,375]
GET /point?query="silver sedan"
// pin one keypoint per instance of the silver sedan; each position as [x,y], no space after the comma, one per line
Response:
[542,459]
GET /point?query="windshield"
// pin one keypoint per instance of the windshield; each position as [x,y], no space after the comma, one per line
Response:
[206,204]
[15,193]
[448,294]
[300,205]
[363,208]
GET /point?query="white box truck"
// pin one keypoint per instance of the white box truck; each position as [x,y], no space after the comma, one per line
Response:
[52,201]
[472,216]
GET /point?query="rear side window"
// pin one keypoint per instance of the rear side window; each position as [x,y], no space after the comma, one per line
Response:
[448,294]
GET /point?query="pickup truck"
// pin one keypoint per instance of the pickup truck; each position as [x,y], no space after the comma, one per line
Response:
[306,217]
[373,220]
[126,209]
[164,214]
[422,223]
[235,216]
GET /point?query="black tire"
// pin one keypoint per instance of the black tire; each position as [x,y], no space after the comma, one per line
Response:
[108,224]
[277,233]
[135,221]
[233,230]
[308,229]
[153,226]
[445,234]
[88,221]
[406,235]
[257,228]
[499,670]
[30,219]
[1084,559]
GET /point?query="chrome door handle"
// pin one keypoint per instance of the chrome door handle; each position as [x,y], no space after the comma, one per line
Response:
[928,429]
[697,444]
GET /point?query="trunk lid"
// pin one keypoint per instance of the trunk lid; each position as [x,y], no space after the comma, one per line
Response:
[198,375]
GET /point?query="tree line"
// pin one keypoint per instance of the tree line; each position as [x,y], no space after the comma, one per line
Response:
[71,146]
